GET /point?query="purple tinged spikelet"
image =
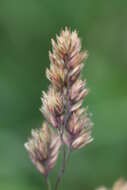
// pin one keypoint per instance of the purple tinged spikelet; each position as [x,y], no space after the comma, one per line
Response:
[63,102]
[52,106]
[43,148]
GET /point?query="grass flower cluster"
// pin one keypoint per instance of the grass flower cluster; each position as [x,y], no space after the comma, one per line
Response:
[121,184]
[67,123]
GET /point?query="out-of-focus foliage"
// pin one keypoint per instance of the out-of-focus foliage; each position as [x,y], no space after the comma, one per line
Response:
[26,27]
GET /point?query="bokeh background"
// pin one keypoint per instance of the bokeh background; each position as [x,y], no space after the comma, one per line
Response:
[26,27]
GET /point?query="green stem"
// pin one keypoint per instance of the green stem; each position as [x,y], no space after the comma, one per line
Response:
[59,177]
[48,183]
[62,170]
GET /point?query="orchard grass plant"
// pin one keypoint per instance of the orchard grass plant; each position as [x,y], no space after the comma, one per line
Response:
[67,124]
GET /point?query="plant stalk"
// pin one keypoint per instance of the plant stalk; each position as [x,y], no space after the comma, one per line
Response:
[48,183]
[67,116]
[63,163]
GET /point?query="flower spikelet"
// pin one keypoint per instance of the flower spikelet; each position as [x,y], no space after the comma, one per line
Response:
[43,148]
[66,59]
[79,130]
[65,76]
[121,184]
[52,106]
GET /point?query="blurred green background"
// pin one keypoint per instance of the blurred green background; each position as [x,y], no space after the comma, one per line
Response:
[26,27]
